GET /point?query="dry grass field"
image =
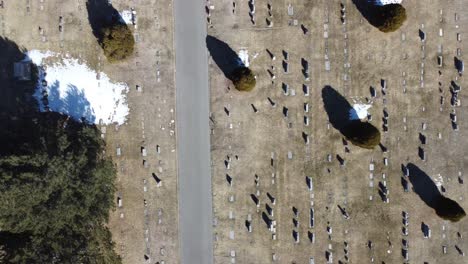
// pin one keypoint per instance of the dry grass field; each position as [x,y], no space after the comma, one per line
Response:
[145,226]
[350,57]
[275,155]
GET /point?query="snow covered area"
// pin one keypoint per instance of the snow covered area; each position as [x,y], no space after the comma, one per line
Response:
[37,56]
[386,2]
[73,88]
[359,111]
[439,181]
[127,16]
[244,56]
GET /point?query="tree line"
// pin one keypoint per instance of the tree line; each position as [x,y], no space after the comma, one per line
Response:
[56,190]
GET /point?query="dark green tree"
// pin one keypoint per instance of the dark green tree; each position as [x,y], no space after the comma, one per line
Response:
[111,32]
[56,190]
[243,79]
[448,209]
[387,18]
[362,134]
[117,42]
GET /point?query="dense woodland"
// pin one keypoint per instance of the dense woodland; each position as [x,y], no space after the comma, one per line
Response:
[56,189]
[56,184]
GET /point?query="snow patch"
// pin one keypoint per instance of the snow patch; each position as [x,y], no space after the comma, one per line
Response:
[72,88]
[386,2]
[359,111]
[439,181]
[244,56]
[127,16]
[37,56]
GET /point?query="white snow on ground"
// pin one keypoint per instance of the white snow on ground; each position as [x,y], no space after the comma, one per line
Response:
[359,111]
[439,181]
[74,89]
[386,2]
[37,56]
[127,16]
[244,56]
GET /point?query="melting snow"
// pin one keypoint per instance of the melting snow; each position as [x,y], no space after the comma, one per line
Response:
[75,89]
[439,181]
[244,56]
[359,111]
[37,56]
[386,2]
[127,16]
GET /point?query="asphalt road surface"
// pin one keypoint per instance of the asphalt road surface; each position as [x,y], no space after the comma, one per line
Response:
[193,136]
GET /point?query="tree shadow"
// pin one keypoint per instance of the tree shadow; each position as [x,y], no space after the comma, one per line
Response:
[423,185]
[15,94]
[101,14]
[226,58]
[427,190]
[77,105]
[337,108]
[342,116]
[73,103]
[387,18]
[369,10]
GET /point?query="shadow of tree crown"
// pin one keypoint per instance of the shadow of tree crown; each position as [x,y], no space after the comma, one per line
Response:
[427,190]
[362,134]
[387,18]
[101,14]
[226,58]
[337,107]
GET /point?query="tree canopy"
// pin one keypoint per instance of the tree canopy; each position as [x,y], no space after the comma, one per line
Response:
[117,42]
[362,134]
[387,18]
[448,209]
[111,32]
[56,190]
[243,79]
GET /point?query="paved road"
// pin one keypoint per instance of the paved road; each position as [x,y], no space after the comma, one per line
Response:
[193,138]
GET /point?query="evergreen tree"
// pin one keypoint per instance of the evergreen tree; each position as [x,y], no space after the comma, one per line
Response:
[117,42]
[56,190]
[362,134]
[243,79]
[448,209]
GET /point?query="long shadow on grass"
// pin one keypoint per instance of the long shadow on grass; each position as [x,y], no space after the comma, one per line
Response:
[427,190]
[386,18]
[101,14]
[337,108]
[226,58]
[423,185]
[369,11]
